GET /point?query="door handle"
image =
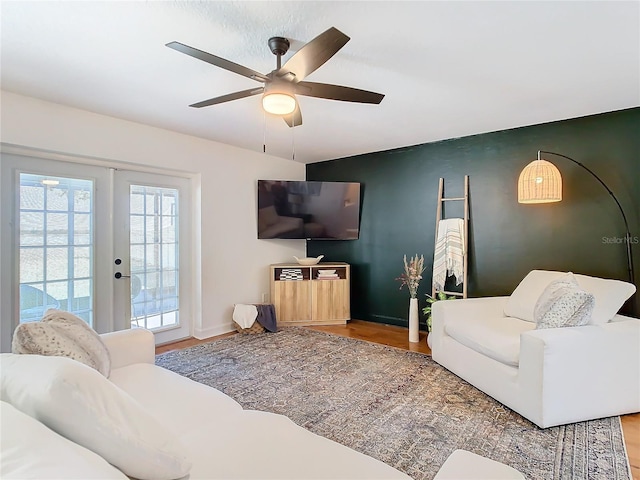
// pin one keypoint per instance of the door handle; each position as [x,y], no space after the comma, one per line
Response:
[119,275]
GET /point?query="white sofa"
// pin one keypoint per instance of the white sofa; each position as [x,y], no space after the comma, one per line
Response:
[551,376]
[221,440]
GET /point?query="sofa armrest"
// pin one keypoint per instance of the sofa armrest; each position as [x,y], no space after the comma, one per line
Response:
[470,308]
[611,345]
[579,367]
[127,347]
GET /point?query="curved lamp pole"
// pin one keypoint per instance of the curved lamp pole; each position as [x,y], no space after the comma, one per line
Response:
[540,182]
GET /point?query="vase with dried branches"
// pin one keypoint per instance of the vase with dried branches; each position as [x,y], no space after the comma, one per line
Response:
[411,278]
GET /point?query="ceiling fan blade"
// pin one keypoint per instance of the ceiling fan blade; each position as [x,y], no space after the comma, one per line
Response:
[337,92]
[228,98]
[314,54]
[294,119]
[218,61]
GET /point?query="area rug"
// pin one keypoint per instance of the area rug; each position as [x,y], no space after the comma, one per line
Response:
[397,406]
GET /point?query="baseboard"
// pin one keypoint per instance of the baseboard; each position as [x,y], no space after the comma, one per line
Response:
[386,320]
[202,334]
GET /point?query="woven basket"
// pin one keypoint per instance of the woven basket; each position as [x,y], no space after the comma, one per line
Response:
[255,328]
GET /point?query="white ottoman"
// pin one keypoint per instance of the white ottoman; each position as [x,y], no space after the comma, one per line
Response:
[464,465]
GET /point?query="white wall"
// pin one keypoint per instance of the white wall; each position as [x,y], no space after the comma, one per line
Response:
[233,263]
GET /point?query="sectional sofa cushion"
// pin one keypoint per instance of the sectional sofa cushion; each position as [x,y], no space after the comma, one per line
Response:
[191,404]
[265,446]
[563,304]
[31,450]
[61,333]
[77,402]
[609,295]
[495,337]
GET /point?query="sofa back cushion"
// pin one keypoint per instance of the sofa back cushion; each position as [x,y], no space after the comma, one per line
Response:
[78,403]
[609,295]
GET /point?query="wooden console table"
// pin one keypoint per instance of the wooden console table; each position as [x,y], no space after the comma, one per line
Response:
[309,300]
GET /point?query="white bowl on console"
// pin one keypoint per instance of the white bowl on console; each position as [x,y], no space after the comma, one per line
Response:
[306,261]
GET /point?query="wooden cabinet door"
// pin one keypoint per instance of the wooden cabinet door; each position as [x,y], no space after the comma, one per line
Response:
[292,300]
[330,300]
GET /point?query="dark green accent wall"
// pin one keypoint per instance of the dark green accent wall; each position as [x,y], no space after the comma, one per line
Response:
[506,239]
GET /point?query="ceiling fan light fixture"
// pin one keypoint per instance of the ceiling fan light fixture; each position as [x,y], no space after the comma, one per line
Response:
[278,103]
[282,85]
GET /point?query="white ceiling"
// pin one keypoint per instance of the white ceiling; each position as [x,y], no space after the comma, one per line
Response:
[448,68]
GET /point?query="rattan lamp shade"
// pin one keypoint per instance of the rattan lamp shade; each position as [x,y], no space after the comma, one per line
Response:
[540,182]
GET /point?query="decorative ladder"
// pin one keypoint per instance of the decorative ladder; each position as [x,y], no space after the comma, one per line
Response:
[464,198]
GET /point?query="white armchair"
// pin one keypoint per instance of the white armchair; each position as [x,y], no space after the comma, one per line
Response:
[550,376]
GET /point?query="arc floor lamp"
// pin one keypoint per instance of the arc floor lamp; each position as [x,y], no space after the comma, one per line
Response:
[541,182]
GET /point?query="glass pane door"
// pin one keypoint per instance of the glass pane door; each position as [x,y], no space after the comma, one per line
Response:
[154,261]
[112,246]
[56,240]
[55,246]
[152,253]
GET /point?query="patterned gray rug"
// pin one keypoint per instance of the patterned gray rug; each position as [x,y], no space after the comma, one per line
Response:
[398,406]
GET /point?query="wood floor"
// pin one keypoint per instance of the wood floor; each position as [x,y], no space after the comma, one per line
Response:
[398,337]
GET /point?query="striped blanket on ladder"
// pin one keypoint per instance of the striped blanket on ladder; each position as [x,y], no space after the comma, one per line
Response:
[448,255]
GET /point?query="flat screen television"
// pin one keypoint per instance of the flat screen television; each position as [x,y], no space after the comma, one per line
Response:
[310,210]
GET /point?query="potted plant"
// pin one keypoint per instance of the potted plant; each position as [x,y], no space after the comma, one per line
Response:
[430,301]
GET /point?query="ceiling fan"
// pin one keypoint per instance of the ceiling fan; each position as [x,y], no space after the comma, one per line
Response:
[282,84]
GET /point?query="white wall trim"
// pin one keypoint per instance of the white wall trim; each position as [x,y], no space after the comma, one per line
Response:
[10,148]
[202,334]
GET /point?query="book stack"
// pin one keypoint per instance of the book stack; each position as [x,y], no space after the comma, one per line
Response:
[291,274]
[327,275]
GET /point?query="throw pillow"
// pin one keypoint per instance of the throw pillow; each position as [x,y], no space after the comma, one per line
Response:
[63,334]
[77,402]
[563,304]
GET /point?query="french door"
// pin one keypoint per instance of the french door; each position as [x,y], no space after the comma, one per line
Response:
[151,262]
[108,245]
